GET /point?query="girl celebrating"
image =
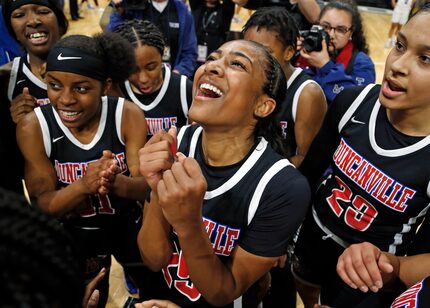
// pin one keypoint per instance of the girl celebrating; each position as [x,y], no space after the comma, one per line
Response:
[80,150]
[377,139]
[164,97]
[210,212]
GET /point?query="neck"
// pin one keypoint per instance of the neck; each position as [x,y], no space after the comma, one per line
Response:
[37,66]
[410,122]
[288,69]
[224,149]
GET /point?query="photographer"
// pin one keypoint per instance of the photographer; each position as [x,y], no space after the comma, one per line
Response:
[342,61]
[173,19]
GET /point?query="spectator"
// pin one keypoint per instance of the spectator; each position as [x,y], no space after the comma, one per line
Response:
[343,61]
[401,11]
[176,23]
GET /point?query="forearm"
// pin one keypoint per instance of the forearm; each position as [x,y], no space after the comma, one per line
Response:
[60,202]
[310,9]
[216,283]
[414,268]
[154,237]
[296,160]
[130,187]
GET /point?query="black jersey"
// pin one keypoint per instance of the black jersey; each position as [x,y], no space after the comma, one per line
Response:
[260,195]
[379,188]
[168,106]
[22,77]
[417,296]
[70,159]
[287,113]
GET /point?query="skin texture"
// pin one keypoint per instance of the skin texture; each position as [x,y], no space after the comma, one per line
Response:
[312,105]
[149,77]
[72,92]
[178,185]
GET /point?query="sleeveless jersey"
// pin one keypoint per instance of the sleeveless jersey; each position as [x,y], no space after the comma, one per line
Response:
[376,193]
[417,296]
[168,106]
[70,159]
[21,77]
[230,206]
[287,113]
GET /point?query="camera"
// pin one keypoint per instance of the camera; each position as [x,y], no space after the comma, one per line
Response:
[133,4]
[313,38]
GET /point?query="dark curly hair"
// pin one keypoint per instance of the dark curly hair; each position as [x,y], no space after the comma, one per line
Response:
[275,86]
[141,32]
[37,258]
[110,47]
[278,20]
[358,38]
[62,22]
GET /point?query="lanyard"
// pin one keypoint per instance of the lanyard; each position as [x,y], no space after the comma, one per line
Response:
[207,21]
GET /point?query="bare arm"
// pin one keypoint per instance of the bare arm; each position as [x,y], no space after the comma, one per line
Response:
[310,9]
[414,268]
[310,114]
[134,131]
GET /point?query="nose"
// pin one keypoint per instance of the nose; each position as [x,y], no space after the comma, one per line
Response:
[66,97]
[399,65]
[214,67]
[33,19]
[143,77]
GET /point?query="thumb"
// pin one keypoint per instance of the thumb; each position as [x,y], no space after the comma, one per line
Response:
[173,132]
[25,91]
[107,154]
[385,264]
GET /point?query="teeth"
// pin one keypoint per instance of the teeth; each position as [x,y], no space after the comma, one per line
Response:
[211,88]
[69,113]
[37,35]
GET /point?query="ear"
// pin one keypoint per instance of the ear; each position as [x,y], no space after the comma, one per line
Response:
[264,106]
[107,85]
[289,53]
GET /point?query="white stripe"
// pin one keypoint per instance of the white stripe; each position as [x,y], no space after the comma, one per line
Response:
[181,134]
[12,78]
[159,97]
[428,190]
[348,114]
[243,170]
[193,142]
[98,135]
[237,302]
[293,76]
[183,89]
[327,231]
[398,237]
[118,119]
[33,77]
[297,96]
[256,197]
[396,152]
[45,130]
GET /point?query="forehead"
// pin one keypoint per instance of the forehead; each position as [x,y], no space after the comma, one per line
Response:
[31,7]
[419,25]
[337,17]
[245,47]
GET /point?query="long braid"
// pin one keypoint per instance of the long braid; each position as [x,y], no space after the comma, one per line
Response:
[38,259]
[141,32]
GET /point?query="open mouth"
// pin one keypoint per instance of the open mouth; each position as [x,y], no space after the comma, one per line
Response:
[69,116]
[208,90]
[394,87]
[38,38]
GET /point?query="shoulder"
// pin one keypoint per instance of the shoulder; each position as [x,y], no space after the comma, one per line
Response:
[363,57]
[311,91]
[28,127]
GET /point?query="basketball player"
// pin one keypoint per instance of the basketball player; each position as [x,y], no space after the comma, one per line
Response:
[164,97]
[81,149]
[377,140]
[210,212]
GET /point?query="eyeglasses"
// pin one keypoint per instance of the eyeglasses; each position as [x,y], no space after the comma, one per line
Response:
[339,29]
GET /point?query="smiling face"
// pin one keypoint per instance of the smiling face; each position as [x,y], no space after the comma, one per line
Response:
[227,87]
[149,77]
[407,69]
[36,28]
[76,98]
[334,18]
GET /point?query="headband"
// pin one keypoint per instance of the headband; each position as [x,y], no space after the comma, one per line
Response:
[18,3]
[77,61]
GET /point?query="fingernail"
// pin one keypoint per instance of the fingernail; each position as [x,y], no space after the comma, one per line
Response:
[364,289]
[179,154]
[353,286]
[378,284]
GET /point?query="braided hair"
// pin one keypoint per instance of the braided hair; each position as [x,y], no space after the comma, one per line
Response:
[141,32]
[109,47]
[275,86]
[278,20]
[38,262]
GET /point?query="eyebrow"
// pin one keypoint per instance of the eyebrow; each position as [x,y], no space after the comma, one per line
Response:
[421,46]
[236,53]
[57,80]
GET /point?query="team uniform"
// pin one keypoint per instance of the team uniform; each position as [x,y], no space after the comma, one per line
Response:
[401,11]
[108,224]
[378,190]
[244,203]
[287,113]
[417,296]
[21,76]
[166,107]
